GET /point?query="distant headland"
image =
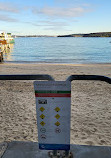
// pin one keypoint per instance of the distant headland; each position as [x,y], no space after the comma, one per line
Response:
[98,34]
[33,36]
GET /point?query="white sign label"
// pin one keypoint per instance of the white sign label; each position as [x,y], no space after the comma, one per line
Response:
[53,106]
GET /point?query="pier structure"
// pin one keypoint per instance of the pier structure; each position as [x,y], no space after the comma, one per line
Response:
[5,49]
[1,55]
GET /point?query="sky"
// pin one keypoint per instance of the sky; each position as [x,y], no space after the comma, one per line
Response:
[55,17]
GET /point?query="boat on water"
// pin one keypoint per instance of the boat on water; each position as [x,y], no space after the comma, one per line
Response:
[6,38]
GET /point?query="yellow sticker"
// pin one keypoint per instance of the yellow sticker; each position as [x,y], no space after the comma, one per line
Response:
[57,109]
[57,123]
[42,116]
[42,123]
[42,109]
[57,116]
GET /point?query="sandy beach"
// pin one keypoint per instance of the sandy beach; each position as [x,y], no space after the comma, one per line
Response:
[90,108]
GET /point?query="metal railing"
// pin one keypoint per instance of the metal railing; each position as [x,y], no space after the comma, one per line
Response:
[55,153]
[89,77]
[26,77]
[50,78]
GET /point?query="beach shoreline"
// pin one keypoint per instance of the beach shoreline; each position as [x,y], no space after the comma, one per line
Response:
[90,105]
[56,69]
[50,63]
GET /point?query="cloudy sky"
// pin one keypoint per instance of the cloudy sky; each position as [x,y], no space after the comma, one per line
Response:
[54,17]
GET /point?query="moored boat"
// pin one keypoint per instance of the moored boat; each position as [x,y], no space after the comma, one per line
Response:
[6,38]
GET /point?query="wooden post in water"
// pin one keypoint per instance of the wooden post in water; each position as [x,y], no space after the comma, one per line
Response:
[1,56]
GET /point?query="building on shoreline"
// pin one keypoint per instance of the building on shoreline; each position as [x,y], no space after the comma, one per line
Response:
[6,45]
[6,38]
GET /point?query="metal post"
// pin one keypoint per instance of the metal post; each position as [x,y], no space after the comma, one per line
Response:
[68,154]
[55,152]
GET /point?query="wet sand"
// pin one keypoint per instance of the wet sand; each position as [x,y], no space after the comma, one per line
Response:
[91,103]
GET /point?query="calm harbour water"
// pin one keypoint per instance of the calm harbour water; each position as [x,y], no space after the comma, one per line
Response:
[60,50]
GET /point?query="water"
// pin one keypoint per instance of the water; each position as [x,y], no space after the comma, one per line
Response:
[60,50]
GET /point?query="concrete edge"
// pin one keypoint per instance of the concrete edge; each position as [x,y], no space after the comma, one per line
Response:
[3,148]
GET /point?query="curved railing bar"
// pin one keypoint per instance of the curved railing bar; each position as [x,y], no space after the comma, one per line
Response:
[50,78]
[26,77]
[89,77]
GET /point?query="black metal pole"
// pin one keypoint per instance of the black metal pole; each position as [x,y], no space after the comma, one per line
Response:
[89,77]
[26,77]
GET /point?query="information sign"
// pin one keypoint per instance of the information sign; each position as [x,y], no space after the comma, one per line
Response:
[53,106]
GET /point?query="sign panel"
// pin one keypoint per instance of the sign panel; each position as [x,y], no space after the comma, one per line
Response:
[53,106]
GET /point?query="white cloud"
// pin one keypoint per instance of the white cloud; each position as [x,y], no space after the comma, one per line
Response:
[8,7]
[49,23]
[57,28]
[7,18]
[61,12]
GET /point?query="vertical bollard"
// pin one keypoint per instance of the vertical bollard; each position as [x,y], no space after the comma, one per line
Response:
[1,56]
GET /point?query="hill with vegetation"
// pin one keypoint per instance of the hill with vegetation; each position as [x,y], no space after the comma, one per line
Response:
[98,34]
